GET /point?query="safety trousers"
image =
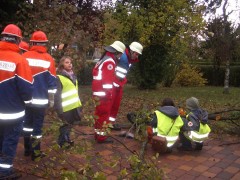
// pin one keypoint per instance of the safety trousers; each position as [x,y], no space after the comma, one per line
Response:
[32,128]
[102,112]
[116,101]
[9,135]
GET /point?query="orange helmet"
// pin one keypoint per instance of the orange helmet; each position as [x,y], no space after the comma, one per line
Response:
[24,46]
[13,30]
[39,36]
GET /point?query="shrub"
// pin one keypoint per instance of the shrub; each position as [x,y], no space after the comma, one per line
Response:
[189,76]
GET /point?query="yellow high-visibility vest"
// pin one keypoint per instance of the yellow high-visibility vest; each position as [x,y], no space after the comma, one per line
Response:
[70,97]
[166,128]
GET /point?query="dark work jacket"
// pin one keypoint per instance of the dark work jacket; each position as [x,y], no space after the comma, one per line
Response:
[69,116]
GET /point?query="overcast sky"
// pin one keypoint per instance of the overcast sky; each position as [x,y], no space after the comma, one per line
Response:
[235,6]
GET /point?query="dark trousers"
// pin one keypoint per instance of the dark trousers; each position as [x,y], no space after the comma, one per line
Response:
[186,143]
[33,120]
[9,135]
[64,134]
[68,118]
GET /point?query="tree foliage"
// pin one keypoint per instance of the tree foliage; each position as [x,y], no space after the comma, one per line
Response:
[8,9]
[171,25]
[78,25]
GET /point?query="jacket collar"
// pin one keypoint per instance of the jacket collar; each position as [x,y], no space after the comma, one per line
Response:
[41,49]
[6,46]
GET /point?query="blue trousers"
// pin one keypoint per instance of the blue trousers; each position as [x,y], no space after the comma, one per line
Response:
[34,118]
[9,135]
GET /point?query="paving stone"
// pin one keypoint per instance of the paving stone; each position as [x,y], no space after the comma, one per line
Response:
[237,161]
[185,168]
[200,159]
[173,157]
[178,172]
[187,177]
[219,156]
[217,149]
[236,153]
[208,174]
[222,164]
[200,168]
[193,173]
[231,158]
[215,170]
[224,175]
[235,165]
[201,178]
[187,157]
[236,176]
[232,170]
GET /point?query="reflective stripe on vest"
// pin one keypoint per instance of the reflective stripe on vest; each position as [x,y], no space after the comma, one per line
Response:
[70,98]
[11,115]
[199,136]
[163,126]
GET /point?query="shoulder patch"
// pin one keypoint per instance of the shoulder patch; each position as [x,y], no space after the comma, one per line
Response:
[190,123]
[110,67]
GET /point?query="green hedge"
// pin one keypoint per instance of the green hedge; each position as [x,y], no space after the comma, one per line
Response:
[85,73]
[215,77]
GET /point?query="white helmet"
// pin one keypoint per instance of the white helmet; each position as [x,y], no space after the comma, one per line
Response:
[136,47]
[119,46]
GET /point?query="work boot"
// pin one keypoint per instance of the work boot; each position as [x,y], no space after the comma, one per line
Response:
[116,127]
[27,153]
[27,146]
[198,147]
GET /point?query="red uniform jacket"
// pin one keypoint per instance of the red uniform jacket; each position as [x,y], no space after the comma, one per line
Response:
[103,76]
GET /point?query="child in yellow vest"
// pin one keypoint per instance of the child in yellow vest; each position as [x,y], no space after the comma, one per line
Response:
[66,100]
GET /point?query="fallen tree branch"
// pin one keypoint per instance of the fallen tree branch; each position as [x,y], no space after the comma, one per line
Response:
[230,143]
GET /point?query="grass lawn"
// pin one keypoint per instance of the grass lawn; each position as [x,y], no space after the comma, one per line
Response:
[211,98]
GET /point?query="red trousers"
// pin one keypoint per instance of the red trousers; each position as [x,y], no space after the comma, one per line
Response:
[102,112]
[116,101]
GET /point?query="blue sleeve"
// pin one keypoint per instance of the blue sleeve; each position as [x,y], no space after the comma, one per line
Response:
[123,62]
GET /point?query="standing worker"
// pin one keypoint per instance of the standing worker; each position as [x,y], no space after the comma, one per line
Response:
[24,47]
[102,87]
[44,72]
[130,56]
[15,87]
